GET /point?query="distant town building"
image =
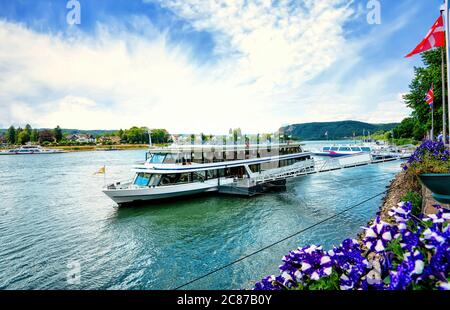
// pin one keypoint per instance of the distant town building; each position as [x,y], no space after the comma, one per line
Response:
[81,138]
[111,139]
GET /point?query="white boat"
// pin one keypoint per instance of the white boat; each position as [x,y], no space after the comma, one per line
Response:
[343,150]
[31,150]
[192,169]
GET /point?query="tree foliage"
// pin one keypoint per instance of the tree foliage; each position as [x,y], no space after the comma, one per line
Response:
[139,135]
[46,135]
[419,123]
[57,132]
[11,135]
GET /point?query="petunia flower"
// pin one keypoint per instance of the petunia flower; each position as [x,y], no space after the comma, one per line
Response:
[402,212]
[268,284]
[349,260]
[407,271]
[443,285]
[378,235]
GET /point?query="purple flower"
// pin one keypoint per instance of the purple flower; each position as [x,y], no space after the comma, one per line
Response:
[441,216]
[410,240]
[437,235]
[439,266]
[268,284]
[348,259]
[378,235]
[407,271]
[433,149]
[402,212]
[443,285]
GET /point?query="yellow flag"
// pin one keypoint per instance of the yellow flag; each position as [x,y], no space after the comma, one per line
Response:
[102,170]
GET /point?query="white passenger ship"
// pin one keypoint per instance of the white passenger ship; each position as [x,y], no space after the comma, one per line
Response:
[343,150]
[192,169]
[31,150]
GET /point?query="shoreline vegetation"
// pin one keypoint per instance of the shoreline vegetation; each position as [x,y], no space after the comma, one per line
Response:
[77,141]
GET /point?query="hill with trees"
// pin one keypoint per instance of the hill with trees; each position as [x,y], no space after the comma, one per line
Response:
[334,130]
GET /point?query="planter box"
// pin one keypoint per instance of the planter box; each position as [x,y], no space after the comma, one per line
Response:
[438,184]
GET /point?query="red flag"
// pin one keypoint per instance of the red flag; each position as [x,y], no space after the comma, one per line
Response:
[430,97]
[434,38]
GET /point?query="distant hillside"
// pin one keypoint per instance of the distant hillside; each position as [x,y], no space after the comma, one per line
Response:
[336,130]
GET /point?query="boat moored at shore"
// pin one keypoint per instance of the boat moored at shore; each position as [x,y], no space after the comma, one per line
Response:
[192,169]
[343,150]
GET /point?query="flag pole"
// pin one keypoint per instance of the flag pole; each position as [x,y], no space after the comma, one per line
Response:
[432,122]
[447,28]
[444,116]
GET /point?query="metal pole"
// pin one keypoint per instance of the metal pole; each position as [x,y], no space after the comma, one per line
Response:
[432,122]
[447,28]
[444,116]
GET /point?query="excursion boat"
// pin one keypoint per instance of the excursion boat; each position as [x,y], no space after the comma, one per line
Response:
[30,150]
[192,169]
[343,150]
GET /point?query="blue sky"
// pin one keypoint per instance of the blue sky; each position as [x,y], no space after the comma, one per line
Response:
[192,65]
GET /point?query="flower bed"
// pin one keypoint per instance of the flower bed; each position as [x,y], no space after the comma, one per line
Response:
[411,253]
[429,157]
[406,250]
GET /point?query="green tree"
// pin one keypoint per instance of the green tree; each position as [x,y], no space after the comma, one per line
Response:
[160,136]
[28,129]
[23,137]
[11,135]
[57,132]
[46,136]
[424,77]
[18,131]
[34,136]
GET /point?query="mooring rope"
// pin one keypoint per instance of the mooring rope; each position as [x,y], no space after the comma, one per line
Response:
[281,240]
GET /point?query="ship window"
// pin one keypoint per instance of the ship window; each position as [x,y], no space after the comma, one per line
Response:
[199,176]
[157,158]
[171,158]
[142,179]
[255,168]
[171,179]
[154,180]
[326,148]
[365,149]
[334,148]
[344,149]
[356,149]
[211,174]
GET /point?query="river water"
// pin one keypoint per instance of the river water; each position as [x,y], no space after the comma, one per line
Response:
[59,231]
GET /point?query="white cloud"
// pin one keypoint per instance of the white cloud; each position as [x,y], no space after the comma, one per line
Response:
[267,57]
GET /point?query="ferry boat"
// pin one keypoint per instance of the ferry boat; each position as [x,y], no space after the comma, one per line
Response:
[192,169]
[30,150]
[343,150]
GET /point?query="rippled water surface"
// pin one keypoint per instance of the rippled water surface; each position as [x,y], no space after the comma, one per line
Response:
[53,213]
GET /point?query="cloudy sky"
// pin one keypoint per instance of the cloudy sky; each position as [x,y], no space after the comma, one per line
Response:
[206,65]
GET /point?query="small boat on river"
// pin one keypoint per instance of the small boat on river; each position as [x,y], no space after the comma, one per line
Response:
[31,150]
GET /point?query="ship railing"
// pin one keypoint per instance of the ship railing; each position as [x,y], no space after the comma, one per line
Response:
[284,172]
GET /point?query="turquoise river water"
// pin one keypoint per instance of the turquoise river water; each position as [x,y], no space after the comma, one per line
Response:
[53,216]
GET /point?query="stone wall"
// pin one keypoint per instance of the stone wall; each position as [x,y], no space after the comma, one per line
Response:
[428,202]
